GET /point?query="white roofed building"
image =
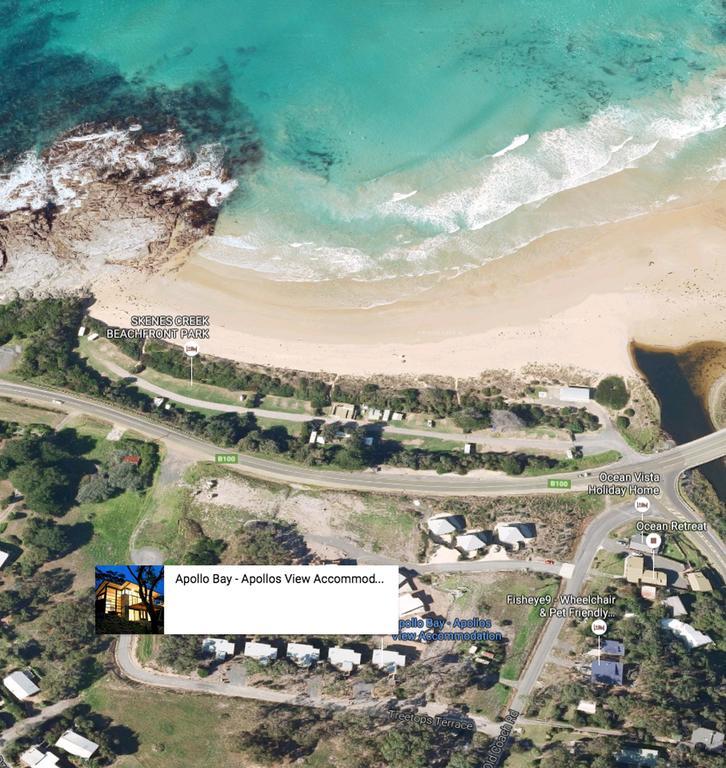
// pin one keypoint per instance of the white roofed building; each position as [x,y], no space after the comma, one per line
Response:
[261,652]
[3,557]
[408,605]
[470,542]
[588,707]
[217,647]
[690,635]
[303,655]
[711,740]
[77,745]
[442,526]
[388,660]
[344,659]
[20,685]
[676,606]
[575,394]
[36,758]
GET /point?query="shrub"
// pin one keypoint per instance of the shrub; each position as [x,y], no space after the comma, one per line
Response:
[612,393]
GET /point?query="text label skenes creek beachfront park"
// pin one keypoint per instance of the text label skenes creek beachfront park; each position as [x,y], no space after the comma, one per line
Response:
[280,600]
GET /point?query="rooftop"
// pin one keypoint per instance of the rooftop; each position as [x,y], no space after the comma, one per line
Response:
[607,672]
[344,658]
[698,582]
[690,635]
[470,542]
[217,647]
[612,648]
[712,740]
[303,655]
[260,651]
[75,744]
[388,660]
[20,685]
[440,526]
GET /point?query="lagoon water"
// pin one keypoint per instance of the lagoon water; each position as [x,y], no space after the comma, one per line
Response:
[391,138]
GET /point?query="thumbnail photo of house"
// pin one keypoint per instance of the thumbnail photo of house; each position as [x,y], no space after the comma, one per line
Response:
[129,599]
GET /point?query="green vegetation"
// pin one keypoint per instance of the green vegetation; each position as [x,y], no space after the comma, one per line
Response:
[671,689]
[703,496]
[584,462]
[612,393]
[526,634]
[112,739]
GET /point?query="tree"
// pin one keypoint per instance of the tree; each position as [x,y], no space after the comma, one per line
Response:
[148,577]
[612,393]
[94,489]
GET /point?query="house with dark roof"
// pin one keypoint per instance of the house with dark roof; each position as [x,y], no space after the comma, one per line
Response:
[607,673]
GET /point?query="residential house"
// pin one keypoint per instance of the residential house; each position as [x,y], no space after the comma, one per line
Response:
[470,542]
[698,582]
[611,648]
[124,600]
[443,525]
[588,707]
[637,756]
[469,448]
[303,655]
[607,672]
[77,745]
[638,543]
[261,652]
[690,635]
[388,660]
[20,685]
[636,573]
[408,605]
[217,647]
[344,659]
[676,606]
[711,740]
[36,758]
[3,557]
[515,535]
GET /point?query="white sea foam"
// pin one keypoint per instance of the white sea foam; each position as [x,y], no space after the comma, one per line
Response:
[61,175]
[517,141]
[398,196]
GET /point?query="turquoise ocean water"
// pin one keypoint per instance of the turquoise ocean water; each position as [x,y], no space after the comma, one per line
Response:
[390,138]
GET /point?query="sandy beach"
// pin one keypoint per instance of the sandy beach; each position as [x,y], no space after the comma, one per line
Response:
[573,298]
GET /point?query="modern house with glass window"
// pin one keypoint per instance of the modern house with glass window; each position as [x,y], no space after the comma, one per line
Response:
[123,600]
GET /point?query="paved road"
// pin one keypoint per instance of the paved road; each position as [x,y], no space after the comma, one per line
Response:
[675,460]
[607,438]
[129,666]
[22,726]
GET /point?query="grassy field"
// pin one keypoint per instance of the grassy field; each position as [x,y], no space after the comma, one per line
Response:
[172,730]
[488,598]
[574,465]
[28,414]
[113,523]
[383,526]
[145,648]
[526,635]
[489,701]
[285,404]
[609,562]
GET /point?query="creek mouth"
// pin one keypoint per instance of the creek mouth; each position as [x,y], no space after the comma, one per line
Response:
[681,379]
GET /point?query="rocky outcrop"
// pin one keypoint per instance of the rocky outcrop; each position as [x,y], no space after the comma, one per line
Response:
[103,196]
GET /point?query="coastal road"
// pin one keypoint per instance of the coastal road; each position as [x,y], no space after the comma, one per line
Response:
[605,439]
[480,482]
